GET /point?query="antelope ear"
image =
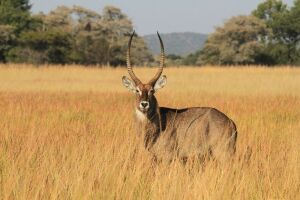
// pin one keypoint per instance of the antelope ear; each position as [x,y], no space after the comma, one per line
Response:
[160,83]
[129,84]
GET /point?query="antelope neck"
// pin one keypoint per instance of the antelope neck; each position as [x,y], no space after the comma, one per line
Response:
[149,116]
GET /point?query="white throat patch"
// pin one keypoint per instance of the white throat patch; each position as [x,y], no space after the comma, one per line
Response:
[141,116]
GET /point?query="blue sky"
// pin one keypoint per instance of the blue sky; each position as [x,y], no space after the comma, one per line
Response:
[166,16]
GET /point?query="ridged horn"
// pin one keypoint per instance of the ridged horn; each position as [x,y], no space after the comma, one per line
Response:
[129,67]
[162,62]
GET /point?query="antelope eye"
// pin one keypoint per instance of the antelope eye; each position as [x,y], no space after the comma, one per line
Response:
[151,91]
[137,91]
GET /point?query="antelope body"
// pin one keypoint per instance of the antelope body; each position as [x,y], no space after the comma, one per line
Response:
[167,133]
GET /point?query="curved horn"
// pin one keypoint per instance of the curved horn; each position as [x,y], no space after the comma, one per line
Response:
[162,62]
[129,68]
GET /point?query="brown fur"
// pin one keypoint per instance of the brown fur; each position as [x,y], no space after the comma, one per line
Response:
[199,132]
[178,133]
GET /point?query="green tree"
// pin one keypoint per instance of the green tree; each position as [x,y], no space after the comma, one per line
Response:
[270,10]
[117,28]
[6,37]
[15,13]
[14,18]
[286,31]
[67,35]
[237,42]
[38,47]
[172,59]
[59,18]
[283,44]
[89,50]
[192,58]
[98,39]
[89,44]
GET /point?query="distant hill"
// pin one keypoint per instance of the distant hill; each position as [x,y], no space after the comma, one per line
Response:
[176,43]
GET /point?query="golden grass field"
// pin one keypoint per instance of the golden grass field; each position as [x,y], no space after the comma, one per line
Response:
[68,133]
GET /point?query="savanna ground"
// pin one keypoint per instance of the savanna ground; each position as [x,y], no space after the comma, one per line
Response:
[68,133]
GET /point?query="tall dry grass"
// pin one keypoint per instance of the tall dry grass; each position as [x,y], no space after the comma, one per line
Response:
[67,133]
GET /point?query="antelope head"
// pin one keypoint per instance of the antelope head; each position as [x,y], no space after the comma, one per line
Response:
[145,99]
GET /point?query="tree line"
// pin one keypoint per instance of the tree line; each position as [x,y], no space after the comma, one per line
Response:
[270,35]
[67,35]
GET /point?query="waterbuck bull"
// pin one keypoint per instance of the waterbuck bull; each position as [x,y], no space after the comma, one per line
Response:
[167,133]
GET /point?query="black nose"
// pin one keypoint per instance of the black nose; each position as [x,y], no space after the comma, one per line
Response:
[144,104]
